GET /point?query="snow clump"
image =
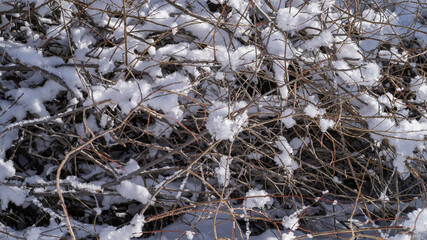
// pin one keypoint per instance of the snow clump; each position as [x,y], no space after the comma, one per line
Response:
[6,169]
[133,191]
[223,171]
[417,223]
[284,159]
[290,222]
[325,124]
[134,229]
[257,199]
[222,126]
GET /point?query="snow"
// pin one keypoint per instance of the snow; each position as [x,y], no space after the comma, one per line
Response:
[291,19]
[335,179]
[6,169]
[223,127]
[312,111]
[133,191]
[356,71]
[223,171]
[422,93]
[126,95]
[325,124]
[257,199]
[287,119]
[383,197]
[417,222]
[190,235]
[288,236]
[12,194]
[284,159]
[131,166]
[242,57]
[134,229]
[74,181]
[32,57]
[290,222]
[325,38]
[305,47]
[33,233]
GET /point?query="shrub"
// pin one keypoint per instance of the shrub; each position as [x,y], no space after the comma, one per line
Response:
[212,118]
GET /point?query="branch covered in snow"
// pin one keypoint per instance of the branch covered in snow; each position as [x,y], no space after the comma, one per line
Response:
[212,119]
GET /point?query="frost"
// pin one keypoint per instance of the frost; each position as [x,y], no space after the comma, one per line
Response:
[133,191]
[257,199]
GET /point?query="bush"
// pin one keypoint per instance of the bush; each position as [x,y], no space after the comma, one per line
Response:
[213,119]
